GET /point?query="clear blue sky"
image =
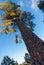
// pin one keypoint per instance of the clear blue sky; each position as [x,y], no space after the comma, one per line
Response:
[7,44]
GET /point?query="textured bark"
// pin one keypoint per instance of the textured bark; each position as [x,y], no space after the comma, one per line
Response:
[34,44]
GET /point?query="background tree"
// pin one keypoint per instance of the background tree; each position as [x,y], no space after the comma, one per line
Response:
[16,63]
[7,61]
[27,59]
[41,5]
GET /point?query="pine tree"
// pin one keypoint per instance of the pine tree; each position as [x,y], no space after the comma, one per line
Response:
[24,20]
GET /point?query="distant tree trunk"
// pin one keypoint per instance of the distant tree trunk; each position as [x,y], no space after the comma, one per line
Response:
[34,44]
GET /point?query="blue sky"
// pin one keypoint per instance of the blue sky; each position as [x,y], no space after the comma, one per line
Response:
[7,44]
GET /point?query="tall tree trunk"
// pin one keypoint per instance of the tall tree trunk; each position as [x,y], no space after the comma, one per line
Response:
[34,44]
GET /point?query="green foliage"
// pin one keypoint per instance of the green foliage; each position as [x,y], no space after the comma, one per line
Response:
[41,5]
[27,19]
[7,61]
[12,12]
[27,58]
[7,6]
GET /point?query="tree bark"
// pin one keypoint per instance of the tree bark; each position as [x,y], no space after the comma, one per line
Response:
[34,44]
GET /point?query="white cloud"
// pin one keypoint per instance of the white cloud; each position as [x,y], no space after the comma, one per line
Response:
[34,5]
[21,3]
[25,4]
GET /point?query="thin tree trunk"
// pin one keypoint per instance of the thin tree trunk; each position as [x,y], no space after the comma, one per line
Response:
[34,44]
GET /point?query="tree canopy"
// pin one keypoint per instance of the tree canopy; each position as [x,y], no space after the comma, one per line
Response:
[13,11]
[27,58]
[7,61]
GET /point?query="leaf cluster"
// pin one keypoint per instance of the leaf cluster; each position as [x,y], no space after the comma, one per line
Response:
[12,10]
[41,5]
